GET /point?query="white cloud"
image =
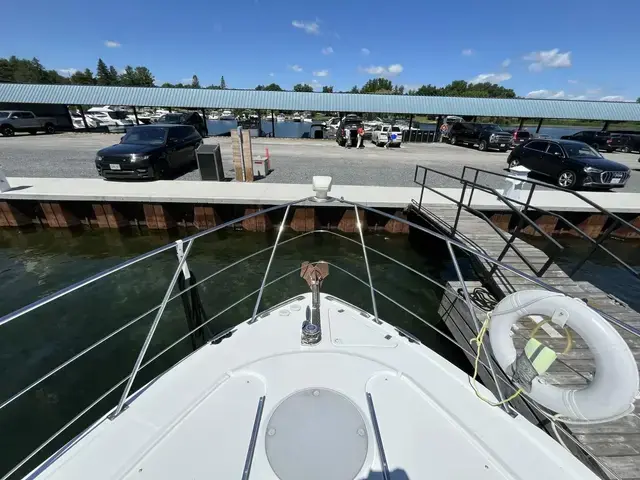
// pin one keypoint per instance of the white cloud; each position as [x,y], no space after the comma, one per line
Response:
[67,71]
[365,51]
[506,62]
[271,74]
[310,27]
[548,59]
[327,51]
[186,80]
[573,82]
[390,71]
[321,73]
[111,44]
[613,98]
[296,68]
[577,97]
[467,52]
[593,91]
[546,94]
[315,84]
[491,77]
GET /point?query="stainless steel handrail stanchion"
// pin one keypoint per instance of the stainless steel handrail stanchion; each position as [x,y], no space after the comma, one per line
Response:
[366,262]
[152,330]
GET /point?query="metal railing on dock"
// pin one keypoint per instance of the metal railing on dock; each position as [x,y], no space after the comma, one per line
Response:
[520,208]
[183,248]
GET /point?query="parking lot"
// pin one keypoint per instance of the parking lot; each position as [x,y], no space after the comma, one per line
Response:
[71,155]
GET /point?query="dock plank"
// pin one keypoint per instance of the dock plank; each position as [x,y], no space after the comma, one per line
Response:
[614,444]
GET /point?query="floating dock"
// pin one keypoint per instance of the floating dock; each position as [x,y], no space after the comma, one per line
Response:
[611,449]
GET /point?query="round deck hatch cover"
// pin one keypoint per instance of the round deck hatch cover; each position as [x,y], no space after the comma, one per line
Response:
[316,434]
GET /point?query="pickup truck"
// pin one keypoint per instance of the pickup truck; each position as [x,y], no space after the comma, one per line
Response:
[12,121]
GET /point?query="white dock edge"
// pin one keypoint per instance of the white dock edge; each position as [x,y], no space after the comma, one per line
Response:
[176,191]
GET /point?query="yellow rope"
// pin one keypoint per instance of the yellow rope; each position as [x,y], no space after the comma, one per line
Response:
[478,341]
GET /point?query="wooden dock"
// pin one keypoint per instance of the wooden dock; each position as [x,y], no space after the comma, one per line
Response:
[615,445]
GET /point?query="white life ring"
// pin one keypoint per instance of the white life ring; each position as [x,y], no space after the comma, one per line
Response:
[615,384]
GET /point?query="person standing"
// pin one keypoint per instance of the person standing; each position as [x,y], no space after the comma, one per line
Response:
[360,137]
[347,135]
[390,136]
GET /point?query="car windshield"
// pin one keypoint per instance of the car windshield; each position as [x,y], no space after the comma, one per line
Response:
[173,118]
[4,114]
[492,128]
[145,136]
[395,129]
[581,151]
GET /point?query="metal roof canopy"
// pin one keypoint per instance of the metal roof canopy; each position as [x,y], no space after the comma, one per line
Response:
[317,102]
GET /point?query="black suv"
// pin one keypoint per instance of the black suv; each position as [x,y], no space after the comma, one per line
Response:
[485,135]
[570,164]
[628,143]
[353,122]
[597,140]
[192,118]
[150,151]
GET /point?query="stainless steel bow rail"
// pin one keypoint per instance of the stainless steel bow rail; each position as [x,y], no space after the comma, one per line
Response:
[183,253]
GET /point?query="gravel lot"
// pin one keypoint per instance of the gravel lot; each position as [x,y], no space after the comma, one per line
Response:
[294,161]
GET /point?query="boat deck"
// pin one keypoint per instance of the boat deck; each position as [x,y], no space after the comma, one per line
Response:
[616,445]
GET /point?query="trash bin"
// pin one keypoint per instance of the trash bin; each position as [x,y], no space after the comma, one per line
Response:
[515,182]
[210,162]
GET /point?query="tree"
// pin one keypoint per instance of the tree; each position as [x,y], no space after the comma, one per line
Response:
[223,84]
[167,85]
[103,76]
[377,85]
[195,83]
[214,87]
[327,89]
[638,100]
[273,87]
[113,75]
[354,89]
[83,78]
[426,90]
[128,77]
[302,87]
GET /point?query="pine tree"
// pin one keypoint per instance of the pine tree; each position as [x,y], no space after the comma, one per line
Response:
[223,84]
[103,76]
[195,83]
[113,75]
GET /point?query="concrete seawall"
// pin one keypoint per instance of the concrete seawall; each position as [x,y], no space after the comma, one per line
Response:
[95,203]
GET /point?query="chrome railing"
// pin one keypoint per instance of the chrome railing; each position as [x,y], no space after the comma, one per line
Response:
[500,381]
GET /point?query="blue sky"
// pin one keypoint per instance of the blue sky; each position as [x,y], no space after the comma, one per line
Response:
[561,49]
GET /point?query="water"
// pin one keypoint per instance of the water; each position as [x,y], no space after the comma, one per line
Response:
[37,263]
[302,129]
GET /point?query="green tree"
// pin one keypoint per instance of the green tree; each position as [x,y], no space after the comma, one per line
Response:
[377,85]
[302,87]
[214,87]
[327,89]
[223,84]
[195,83]
[273,87]
[638,100]
[128,77]
[167,85]
[113,75]
[143,77]
[354,89]
[103,76]
[83,78]
[426,90]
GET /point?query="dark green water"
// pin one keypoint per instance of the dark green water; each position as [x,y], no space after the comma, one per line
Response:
[38,263]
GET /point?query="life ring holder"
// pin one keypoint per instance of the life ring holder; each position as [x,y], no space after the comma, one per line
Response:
[613,390]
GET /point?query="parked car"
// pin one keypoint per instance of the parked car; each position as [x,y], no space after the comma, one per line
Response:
[192,118]
[597,140]
[486,136]
[381,133]
[570,164]
[353,122]
[12,121]
[628,143]
[149,151]
[519,136]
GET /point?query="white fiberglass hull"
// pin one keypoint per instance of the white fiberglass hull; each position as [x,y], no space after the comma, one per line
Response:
[311,410]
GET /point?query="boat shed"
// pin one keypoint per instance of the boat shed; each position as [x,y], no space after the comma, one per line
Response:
[318,102]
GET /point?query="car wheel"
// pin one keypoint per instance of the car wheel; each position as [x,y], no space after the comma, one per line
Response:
[482,146]
[8,131]
[49,128]
[514,162]
[567,179]
[453,140]
[625,149]
[503,150]
[33,132]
